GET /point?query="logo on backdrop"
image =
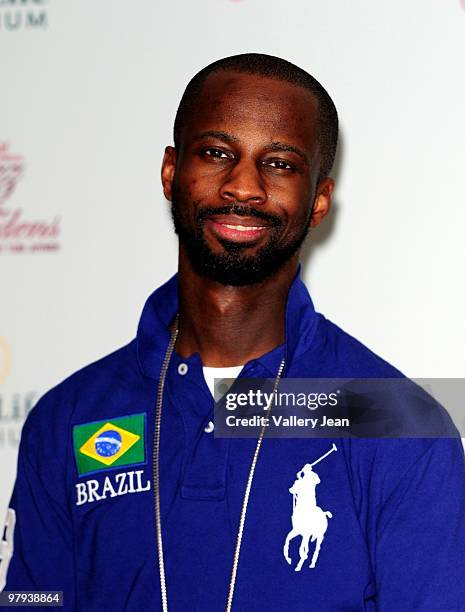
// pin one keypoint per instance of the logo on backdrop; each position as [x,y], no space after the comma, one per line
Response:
[11,169]
[18,232]
[16,15]
[5,359]
[14,407]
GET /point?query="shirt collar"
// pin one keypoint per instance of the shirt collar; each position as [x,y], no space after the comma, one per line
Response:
[153,333]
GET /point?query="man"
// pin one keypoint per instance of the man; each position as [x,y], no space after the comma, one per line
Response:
[124,498]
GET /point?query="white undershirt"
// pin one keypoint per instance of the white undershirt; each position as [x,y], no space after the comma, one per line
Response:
[211,373]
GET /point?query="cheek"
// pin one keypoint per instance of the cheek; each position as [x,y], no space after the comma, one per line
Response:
[186,190]
[293,204]
[302,207]
[195,187]
[298,223]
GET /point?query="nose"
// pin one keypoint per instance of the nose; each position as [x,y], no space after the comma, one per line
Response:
[244,184]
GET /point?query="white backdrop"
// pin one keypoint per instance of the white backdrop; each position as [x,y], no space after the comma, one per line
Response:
[89,92]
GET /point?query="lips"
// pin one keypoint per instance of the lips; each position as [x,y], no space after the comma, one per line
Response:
[237,229]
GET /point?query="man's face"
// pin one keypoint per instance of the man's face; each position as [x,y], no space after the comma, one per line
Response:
[244,179]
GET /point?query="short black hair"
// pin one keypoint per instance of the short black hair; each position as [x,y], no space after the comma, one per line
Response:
[275,68]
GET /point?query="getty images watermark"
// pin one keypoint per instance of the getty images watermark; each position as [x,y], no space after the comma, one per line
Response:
[355,408]
[262,400]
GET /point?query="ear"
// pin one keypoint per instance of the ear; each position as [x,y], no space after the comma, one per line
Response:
[168,168]
[322,202]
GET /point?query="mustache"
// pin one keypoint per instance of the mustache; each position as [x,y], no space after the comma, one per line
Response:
[241,210]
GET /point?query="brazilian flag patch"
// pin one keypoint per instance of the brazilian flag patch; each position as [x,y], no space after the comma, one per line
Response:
[109,444]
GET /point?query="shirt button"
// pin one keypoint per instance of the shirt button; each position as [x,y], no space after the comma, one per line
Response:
[182,368]
[209,428]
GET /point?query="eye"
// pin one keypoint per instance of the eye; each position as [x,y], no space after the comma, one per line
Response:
[278,164]
[216,153]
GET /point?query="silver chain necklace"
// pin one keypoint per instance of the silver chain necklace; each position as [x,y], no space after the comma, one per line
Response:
[156,477]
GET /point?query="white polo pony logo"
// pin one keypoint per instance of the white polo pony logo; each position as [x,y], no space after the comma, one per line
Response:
[308,519]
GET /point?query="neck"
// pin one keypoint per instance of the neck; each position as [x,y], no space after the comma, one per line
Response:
[229,325]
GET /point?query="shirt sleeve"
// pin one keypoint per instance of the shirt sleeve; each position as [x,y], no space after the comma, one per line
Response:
[37,546]
[420,544]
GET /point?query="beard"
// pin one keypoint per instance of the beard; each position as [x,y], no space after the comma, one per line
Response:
[233,266]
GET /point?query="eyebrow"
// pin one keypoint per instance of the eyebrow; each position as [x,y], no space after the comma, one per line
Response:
[282,146]
[216,134]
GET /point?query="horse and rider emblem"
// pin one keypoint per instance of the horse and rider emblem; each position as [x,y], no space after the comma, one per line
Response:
[308,520]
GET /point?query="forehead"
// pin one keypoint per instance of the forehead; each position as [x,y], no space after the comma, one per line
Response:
[257,107]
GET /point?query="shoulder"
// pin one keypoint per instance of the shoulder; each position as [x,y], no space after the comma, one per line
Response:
[338,353]
[80,393]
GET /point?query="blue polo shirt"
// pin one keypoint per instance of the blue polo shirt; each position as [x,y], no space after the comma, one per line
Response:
[390,517]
